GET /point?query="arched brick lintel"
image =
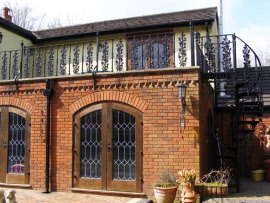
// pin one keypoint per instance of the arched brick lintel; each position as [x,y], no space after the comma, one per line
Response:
[116,96]
[16,102]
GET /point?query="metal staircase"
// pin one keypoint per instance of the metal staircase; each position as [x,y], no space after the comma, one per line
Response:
[238,92]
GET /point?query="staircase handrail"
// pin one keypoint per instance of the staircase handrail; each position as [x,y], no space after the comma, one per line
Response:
[210,57]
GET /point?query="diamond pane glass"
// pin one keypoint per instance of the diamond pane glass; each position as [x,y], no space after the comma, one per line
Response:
[16,144]
[124,146]
[91,145]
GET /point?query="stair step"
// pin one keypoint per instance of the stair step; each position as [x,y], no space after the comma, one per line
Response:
[240,83]
[249,103]
[249,122]
[239,139]
[227,157]
[242,94]
[247,131]
[231,148]
[251,112]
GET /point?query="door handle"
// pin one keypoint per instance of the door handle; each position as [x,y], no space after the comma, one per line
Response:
[108,147]
[5,145]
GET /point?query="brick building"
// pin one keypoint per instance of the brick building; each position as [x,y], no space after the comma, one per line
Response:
[95,107]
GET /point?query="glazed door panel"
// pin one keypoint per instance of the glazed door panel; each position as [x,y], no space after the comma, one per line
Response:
[14,146]
[107,153]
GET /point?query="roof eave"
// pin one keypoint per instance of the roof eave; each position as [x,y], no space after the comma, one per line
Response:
[17,29]
[127,30]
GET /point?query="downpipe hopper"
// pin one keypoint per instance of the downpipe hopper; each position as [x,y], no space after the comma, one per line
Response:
[48,92]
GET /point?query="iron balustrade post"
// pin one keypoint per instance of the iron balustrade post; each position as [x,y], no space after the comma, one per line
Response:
[83,57]
[97,48]
[21,62]
[173,55]
[9,71]
[198,55]
[234,52]
[57,60]
[192,43]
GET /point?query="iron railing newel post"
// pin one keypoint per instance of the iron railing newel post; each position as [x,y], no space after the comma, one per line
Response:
[97,44]
[192,43]
[198,56]
[173,42]
[234,52]
[22,53]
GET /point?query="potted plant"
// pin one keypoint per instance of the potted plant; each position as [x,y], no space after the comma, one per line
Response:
[165,188]
[187,180]
[215,183]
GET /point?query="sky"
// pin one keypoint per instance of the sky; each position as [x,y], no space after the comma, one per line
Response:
[248,19]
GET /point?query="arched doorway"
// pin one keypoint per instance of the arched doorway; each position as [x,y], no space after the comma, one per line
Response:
[108,148]
[14,145]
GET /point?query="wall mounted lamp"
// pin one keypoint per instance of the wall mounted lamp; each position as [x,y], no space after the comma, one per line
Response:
[181,89]
[1,37]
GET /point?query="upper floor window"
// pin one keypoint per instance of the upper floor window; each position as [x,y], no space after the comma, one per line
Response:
[150,51]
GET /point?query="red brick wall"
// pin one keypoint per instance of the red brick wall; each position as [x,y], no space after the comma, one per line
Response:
[206,116]
[154,93]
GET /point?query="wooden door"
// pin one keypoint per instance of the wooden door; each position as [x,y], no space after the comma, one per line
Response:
[14,146]
[108,148]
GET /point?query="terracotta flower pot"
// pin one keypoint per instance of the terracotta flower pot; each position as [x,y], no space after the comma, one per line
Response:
[165,195]
[188,194]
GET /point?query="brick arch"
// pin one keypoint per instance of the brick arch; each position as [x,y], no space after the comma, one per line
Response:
[123,97]
[20,103]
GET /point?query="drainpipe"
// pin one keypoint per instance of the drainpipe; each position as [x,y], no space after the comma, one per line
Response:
[222,92]
[48,93]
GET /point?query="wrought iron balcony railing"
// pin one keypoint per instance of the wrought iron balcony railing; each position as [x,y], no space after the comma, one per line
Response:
[134,52]
[219,53]
[214,54]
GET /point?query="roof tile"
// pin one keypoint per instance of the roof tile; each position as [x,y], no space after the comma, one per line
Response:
[127,23]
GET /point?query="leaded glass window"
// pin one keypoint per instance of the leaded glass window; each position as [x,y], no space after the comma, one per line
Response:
[91,145]
[124,146]
[16,144]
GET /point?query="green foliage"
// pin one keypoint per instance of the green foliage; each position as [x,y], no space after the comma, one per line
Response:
[166,180]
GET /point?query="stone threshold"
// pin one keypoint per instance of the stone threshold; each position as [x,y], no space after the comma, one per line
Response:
[20,186]
[105,192]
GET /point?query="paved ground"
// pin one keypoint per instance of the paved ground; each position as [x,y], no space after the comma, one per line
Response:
[251,192]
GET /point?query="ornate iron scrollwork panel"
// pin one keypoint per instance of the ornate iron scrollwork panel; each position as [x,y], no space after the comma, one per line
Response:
[119,55]
[210,55]
[226,54]
[182,54]
[89,58]
[150,53]
[63,61]
[76,59]
[38,62]
[50,61]
[134,55]
[165,59]
[105,56]
[15,64]
[27,56]
[4,66]
[246,56]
